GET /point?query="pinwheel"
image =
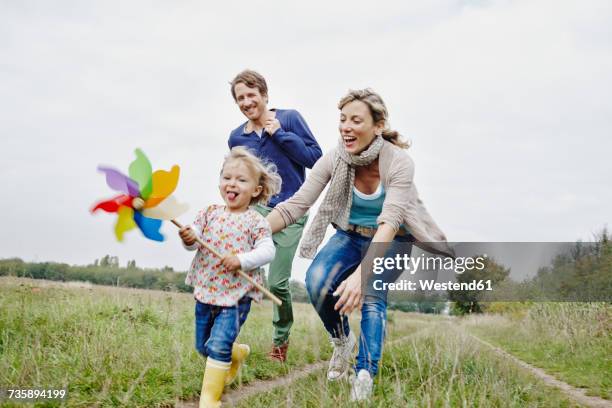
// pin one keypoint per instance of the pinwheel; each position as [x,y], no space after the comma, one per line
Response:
[145,201]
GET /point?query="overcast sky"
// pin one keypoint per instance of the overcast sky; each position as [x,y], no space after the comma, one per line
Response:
[507,104]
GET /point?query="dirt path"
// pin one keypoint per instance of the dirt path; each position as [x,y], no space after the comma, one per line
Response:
[234,396]
[576,394]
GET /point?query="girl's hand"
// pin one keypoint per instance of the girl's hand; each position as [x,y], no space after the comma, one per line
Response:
[349,292]
[187,235]
[231,262]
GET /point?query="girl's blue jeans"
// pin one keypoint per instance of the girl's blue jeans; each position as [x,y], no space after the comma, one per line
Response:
[333,264]
[216,328]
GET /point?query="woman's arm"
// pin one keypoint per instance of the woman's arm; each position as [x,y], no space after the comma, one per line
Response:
[276,221]
[350,289]
[400,192]
[289,211]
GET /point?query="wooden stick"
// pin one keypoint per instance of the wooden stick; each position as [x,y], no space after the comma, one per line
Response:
[263,290]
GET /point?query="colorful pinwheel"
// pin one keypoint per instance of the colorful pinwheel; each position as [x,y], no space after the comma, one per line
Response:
[145,200]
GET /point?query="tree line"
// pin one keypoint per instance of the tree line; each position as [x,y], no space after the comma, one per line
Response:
[106,271]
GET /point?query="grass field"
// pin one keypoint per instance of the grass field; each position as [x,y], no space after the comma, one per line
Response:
[438,367]
[125,347]
[569,340]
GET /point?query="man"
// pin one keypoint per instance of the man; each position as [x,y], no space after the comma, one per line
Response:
[283,138]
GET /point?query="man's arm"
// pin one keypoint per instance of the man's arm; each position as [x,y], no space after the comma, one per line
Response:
[298,142]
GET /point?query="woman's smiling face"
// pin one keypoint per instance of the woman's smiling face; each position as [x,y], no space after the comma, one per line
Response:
[357,127]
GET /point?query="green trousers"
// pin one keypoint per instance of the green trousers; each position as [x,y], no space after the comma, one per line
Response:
[286,243]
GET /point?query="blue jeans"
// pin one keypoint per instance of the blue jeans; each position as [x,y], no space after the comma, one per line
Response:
[216,328]
[333,264]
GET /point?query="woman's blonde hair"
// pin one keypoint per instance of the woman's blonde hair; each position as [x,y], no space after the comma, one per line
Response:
[265,173]
[379,113]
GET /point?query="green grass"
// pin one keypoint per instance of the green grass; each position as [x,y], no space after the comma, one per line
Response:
[437,367]
[571,341]
[128,347]
[117,347]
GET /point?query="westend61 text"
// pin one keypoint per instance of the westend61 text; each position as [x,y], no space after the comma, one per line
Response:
[407,263]
[432,285]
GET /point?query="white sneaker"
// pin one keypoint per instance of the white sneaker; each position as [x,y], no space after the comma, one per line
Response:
[341,359]
[361,386]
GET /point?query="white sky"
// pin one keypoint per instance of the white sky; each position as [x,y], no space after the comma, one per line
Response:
[507,104]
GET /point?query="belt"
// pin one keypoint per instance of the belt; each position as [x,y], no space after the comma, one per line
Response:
[370,231]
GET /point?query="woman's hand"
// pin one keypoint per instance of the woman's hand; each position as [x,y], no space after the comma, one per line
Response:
[187,235]
[350,293]
[231,262]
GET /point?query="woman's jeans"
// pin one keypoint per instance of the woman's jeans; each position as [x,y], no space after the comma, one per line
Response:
[216,328]
[333,264]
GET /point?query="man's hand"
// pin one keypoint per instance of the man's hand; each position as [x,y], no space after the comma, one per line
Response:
[350,293]
[187,235]
[231,262]
[271,125]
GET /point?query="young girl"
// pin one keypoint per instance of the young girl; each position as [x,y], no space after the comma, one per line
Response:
[223,298]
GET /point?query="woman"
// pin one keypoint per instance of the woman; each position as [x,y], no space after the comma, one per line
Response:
[371,198]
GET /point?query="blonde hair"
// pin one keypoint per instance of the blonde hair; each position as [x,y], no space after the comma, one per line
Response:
[265,173]
[379,113]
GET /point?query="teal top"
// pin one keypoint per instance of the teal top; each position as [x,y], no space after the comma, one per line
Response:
[367,207]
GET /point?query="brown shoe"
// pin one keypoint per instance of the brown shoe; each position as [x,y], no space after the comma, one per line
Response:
[279,353]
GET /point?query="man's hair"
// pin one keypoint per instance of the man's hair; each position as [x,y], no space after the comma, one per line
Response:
[252,79]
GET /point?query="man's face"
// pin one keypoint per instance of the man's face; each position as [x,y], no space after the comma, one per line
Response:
[250,101]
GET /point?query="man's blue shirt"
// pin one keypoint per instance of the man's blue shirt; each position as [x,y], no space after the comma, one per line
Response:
[292,148]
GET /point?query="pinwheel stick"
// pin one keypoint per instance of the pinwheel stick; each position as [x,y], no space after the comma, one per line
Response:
[263,290]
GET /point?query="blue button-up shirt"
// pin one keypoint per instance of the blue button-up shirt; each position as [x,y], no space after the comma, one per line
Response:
[292,148]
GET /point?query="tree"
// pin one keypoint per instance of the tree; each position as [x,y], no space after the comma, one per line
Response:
[469,301]
[104,261]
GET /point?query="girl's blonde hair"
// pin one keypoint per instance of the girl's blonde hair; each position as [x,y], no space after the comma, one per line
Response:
[265,173]
[379,113]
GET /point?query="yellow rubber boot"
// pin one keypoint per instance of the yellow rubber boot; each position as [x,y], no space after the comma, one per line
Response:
[239,353]
[213,383]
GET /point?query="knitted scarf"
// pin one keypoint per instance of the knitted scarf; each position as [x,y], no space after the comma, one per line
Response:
[336,205]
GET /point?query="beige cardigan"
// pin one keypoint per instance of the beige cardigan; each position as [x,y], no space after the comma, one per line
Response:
[401,206]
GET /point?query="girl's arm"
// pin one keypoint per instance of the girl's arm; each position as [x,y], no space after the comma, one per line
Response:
[263,248]
[189,233]
[262,254]
[188,236]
